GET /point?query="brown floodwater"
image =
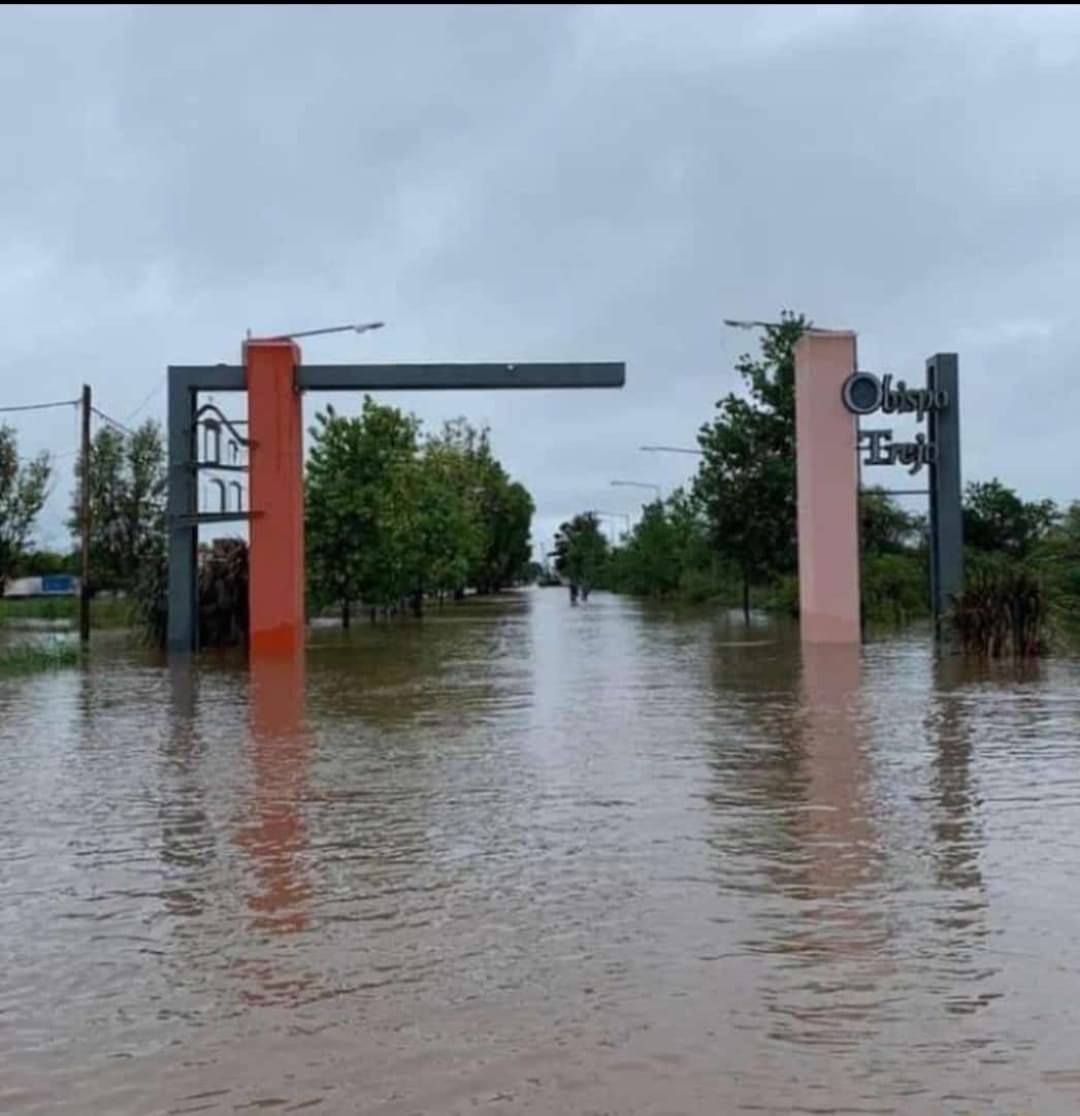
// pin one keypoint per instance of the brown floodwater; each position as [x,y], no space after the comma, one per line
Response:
[528,858]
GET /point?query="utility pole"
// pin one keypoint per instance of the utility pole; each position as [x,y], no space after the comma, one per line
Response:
[84,521]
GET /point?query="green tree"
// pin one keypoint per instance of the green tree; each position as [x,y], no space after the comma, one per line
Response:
[653,558]
[508,510]
[107,493]
[127,504]
[884,526]
[667,552]
[895,586]
[500,509]
[391,519]
[997,520]
[23,490]
[448,535]
[42,563]
[1058,556]
[895,566]
[359,506]
[581,551]
[746,481]
[461,461]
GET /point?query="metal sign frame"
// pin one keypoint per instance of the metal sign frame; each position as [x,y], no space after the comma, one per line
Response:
[939,402]
[185,382]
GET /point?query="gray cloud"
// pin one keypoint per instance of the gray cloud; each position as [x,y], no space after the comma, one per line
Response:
[547,183]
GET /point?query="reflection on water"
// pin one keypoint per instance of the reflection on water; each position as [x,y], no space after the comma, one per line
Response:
[186,848]
[957,832]
[608,859]
[835,931]
[273,832]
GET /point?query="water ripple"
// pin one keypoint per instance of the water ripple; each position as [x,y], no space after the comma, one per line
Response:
[522,856]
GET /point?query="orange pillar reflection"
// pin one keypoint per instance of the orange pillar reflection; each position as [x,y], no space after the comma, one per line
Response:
[276,456]
[274,834]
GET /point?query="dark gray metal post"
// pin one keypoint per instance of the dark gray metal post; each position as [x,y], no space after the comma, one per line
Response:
[85,457]
[181,509]
[946,513]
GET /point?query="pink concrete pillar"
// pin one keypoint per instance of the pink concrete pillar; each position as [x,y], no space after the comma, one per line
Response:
[828,488]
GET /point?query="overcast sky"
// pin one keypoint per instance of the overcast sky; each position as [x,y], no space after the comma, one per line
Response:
[547,184]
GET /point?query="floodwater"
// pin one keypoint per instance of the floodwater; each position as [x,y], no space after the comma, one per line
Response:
[529,858]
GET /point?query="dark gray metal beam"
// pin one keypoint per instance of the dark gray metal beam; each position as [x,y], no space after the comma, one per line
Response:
[217,517]
[210,377]
[421,377]
[946,510]
[459,377]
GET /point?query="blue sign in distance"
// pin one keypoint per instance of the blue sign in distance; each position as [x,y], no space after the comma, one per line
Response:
[58,583]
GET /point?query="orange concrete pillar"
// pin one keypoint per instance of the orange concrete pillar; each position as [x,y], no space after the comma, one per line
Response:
[828,489]
[276,460]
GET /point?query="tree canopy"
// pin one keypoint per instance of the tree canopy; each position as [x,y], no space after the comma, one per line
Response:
[746,482]
[23,488]
[581,551]
[997,519]
[127,504]
[393,515]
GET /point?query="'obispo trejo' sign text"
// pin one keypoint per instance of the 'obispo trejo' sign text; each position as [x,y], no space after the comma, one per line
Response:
[864,394]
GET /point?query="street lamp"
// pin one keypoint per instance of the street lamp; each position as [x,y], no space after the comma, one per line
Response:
[733,323]
[638,484]
[671,449]
[352,327]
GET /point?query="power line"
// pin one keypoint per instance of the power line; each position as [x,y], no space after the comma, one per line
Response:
[69,453]
[154,392]
[111,421]
[39,406]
